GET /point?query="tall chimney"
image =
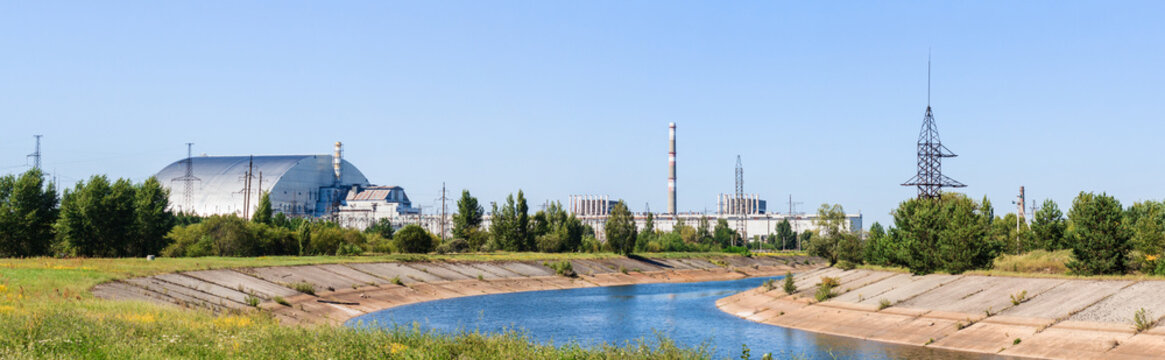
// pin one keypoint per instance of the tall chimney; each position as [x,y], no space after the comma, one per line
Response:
[671,169]
[336,161]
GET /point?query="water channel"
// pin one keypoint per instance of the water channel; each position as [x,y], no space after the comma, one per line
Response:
[685,312]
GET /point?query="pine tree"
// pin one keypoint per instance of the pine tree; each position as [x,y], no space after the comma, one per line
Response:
[1098,237]
[263,211]
[1048,227]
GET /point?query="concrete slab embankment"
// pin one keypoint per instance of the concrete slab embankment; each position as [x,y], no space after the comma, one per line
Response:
[1024,317]
[343,291]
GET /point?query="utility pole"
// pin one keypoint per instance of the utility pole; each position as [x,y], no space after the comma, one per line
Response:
[738,203]
[443,214]
[247,188]
[36,154]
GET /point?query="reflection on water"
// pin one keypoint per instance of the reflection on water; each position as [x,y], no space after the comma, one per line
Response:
[684,312]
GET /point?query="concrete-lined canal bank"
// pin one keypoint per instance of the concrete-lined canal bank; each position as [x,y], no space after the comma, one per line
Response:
[1024,317]
[342,291]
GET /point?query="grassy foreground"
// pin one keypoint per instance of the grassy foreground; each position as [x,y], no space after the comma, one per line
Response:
[46,311]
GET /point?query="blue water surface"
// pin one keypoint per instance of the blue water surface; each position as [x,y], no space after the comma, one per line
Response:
[684,312]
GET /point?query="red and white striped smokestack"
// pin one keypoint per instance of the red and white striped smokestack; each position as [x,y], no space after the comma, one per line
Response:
[671,169]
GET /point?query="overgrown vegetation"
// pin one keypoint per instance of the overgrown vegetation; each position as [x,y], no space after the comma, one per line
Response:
[561,268]
[790,284]
[1142,320]
[825,288]
[47,311]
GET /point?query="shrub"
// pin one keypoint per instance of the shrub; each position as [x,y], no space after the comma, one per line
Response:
[768,285]
[563,268]
[622,269]
[252,300]
[825,288]
[846,265]
[281,301]
[1016,341]
[1142,320]
[396,280]
[1019,297]
[304,287]
[414,239]
[790,285]
[882,304]
[453,246]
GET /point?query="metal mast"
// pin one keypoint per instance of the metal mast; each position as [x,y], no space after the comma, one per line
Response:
[930,180]
[188,180]
[738,203]
[35,155]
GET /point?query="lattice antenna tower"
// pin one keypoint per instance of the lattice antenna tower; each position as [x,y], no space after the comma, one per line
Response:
[35,155]
[930,180]
[738,203]
[188,180]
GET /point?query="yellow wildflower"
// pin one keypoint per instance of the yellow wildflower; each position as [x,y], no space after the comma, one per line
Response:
[3,288]
[7,309]
[1151,257]
[232,321]
[398,347]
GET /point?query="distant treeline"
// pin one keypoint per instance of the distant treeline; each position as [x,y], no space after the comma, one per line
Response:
[99,218]
[955,234]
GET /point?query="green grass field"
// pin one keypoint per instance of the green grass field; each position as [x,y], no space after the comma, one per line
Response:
[46,311]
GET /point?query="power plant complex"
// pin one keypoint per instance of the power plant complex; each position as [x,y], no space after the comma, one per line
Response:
[329,187]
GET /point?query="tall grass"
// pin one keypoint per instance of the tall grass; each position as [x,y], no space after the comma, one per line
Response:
[1036,261]
[47,311]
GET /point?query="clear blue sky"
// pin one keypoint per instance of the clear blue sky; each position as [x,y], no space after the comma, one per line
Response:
[822,100]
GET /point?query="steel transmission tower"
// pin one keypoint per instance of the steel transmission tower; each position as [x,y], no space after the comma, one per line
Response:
[188,180]
[35,155]
[930,179]
[738,203]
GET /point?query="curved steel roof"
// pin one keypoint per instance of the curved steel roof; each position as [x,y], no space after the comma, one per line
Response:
[291,179]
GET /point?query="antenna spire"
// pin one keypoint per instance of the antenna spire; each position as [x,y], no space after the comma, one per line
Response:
[930,179]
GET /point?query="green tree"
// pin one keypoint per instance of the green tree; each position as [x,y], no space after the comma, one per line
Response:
[1097,237]
[303,237]
[1146,222]
[1048,227]
[880,249]
[468,216]
[28,210]
[950,233]
[525,237]
[562,231]
[703,235]
[805,237]
[786,238]
[723,235]
[835,240]
[648,234]
[505,228]
[620,229]
[152,221]
[414,239]
[97,217]
[382,227]
[263,211]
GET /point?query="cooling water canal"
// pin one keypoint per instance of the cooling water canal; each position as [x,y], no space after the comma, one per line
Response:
[684,312]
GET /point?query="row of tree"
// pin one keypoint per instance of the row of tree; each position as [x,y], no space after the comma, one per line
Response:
[94,218]
[955,234]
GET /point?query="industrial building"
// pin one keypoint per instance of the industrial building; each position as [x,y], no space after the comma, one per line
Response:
[325,186]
